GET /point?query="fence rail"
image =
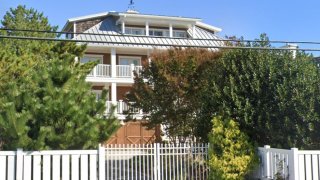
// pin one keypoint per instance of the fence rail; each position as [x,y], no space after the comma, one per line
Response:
[139,162]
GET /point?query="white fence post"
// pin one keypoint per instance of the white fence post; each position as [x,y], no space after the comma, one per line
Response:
[19,164]
[266,162]
[102,162]
[293,164]
[156,161]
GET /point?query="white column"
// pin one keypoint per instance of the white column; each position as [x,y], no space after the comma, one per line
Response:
[123,27]
[193,31]
[171,30]
[147,28]
[113,63]
[114,93]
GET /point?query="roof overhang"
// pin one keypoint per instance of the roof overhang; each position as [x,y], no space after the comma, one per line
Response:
[209,27]
[143,18]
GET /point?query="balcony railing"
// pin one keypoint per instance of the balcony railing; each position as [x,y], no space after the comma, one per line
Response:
[123,108]
[122,71]
[101,70]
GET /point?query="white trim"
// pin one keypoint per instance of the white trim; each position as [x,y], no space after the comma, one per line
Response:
[131,57]
[88,17]
[207,26]
[159,17]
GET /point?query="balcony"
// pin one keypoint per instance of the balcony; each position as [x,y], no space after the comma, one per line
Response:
[123,109]
[121,71]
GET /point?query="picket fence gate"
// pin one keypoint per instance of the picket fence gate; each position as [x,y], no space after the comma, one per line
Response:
[293,164]
[138,162]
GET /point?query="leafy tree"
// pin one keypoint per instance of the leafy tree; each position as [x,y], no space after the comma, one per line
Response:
[231,155]
[273,96]
[168,93]
[45,102]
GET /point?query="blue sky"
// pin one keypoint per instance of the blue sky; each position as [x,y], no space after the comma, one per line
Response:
[282,20]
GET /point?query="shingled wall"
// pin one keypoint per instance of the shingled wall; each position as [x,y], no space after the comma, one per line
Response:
[85,25]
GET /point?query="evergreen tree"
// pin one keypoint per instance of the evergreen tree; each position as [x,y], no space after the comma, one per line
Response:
[45,102]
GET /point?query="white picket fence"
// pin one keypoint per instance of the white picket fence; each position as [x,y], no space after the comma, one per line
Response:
[139,162]
[290,164]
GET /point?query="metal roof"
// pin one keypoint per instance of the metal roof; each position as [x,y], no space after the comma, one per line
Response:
[108,31]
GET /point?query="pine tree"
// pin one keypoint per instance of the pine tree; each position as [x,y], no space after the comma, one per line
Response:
[45,102]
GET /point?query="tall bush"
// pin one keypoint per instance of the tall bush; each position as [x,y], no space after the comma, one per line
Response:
[231,154]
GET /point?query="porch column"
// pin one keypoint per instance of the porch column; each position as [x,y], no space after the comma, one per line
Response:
[113,63]
[123,25]
[114,95]
[170,30]
[147,28]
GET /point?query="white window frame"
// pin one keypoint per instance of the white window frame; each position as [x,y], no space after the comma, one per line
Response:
[130,57]
[98,56]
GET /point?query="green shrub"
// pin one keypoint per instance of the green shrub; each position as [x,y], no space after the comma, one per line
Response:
[231,154]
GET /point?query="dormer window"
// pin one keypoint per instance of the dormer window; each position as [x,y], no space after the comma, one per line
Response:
[159,32]
[179,33]
[135,31]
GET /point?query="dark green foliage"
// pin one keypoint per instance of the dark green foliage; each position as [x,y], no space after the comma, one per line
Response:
[45,102]
[273,96]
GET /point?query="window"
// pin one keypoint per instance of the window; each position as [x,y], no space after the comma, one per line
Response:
[98,94]
[159,32]
[128,60]
[89,58]
[180,34]
[135,31]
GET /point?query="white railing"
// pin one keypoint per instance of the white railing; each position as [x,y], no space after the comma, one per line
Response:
[124,71]
[101,70]
[147,162]
[123,108]
[291,164]
[127,70]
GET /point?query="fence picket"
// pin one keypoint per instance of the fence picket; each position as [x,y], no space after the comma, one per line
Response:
[3,165]
[11,168]
[75,167]
[315,173]
[26,168]
[46,174]
[84,167]
[55,167]
[65,167]
[93,167]
[37,167]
